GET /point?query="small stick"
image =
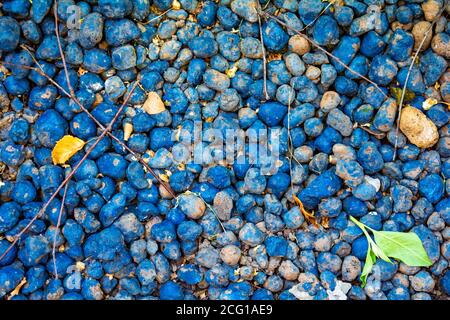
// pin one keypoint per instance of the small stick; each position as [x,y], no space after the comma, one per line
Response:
[69,176]
[55,236]
[263,49]
[74,98]
[378,135]
[409,73]
[157,17]
[207,205]
[58,38]
[318,16]
[315,44]
[290,145]
[112,136]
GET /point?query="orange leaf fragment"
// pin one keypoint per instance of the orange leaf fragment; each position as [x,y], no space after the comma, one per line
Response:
[308,216]
[325,222]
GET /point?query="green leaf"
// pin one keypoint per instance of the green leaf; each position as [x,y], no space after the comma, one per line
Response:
[402,246]
[372,245]
[406,247]
[380,253]
[368,265]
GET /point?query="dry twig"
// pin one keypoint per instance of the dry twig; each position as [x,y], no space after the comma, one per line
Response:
[55,236]
[263,49]
[425,35]
[315,44]
[70,175]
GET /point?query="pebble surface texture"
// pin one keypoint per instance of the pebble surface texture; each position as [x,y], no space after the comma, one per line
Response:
[212,230]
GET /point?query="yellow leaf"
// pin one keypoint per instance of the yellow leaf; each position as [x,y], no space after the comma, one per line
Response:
[176,5]
[65,148]
[232,71]
[308,216]
[427,104]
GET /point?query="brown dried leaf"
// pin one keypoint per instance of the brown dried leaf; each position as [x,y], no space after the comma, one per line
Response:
[308,216]
[325,222]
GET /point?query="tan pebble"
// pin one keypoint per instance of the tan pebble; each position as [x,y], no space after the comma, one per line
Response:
[230,254]
[342,152]
[288,270]
[431,9]
[312,73]
[153,104]
[445,77]
[433,93]
[164,193]
[299,45]
[419,30]
[440,46]
[330,100]
[419,130]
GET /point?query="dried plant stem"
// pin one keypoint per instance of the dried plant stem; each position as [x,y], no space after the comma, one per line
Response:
[378,135]
[210,207]
[263,49]
[61,52]
[101,126]
[72,96]
[290,145]
[318,16]
[315,44]
[425,35]
[70,175]
[159,16]
[55,236]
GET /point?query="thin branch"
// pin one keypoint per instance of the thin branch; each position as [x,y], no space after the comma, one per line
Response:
[210,207]
[425,35]
[378,135]
[61,52]
[315,44]
[75,99]
[55,236]
[263,49]
[318,16]
[102,127]
[290,144]
[70,175]
[157,17]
